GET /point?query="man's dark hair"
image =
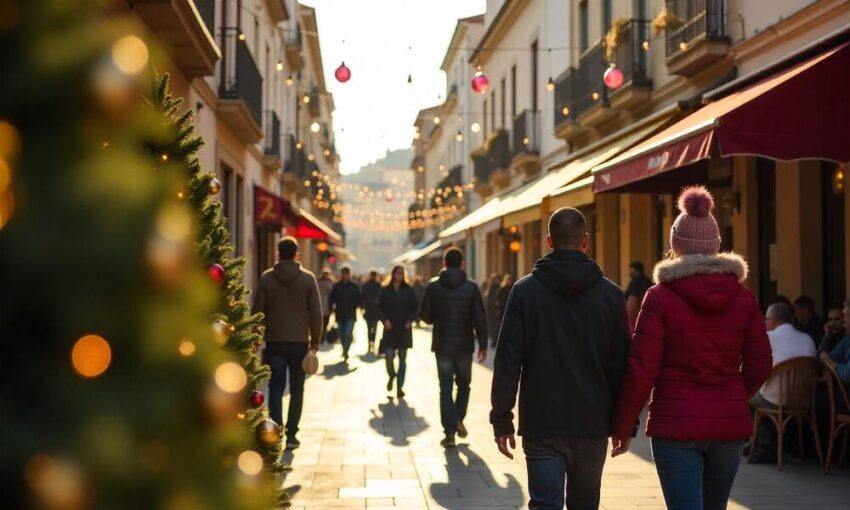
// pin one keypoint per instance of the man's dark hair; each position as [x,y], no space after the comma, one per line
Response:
[373,274]
[453,257]
[780,312]
[637,266]
[805,302]
[287,248]
[345,269]
[567,227]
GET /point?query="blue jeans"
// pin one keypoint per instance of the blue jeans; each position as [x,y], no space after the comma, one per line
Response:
[453,370]
[346,334]
[402,364]
[283,357]
[696,475]
[555,462]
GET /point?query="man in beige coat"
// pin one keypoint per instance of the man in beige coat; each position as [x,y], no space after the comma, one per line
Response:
[288,296]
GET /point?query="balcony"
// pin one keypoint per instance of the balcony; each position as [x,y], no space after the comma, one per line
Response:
[241,90]
[185,29]
[272,157]
[696,35]
[446,191]
[581,98]
[293,47]
[632,59]
[313,107]
[491,162]
[526,142]
[294,166]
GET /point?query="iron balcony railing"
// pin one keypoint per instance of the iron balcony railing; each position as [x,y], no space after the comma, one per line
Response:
[526,133]
[579,89]
[494,155]
[240,77]
[629,54]
[271,134]
[206,8]
[295,161]
[703,19]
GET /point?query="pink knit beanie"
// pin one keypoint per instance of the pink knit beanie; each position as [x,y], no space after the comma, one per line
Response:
[695,230]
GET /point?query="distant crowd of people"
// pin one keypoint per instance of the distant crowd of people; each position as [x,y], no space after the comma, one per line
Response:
[583,356]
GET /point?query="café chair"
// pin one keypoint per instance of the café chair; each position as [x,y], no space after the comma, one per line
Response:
[838,422]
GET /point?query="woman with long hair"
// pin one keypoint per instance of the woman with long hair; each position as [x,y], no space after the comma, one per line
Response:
[700,348]
[503,295]
[493,310]
[398,307]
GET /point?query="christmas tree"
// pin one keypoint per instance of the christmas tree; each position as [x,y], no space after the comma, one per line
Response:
[115,391]
[237,329]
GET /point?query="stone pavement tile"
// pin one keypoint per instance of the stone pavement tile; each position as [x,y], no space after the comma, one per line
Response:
[401,482]
[380,492]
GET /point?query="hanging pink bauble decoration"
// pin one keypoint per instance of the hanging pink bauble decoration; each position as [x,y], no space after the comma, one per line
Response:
[613,77]
[480,82]
[342,73]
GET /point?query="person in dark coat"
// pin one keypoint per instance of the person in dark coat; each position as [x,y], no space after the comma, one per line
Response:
[493,311]
[398,309]
[563,345]
[807,320]
[453,304]
[701,350]
[503,294]
[419,290]
[369,292]
[345,300]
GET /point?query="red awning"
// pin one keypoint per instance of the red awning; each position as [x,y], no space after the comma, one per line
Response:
[310,227]
[800,113]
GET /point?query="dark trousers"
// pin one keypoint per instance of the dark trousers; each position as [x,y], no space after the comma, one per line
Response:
[402,364]
[325,321]
[564,470]
[372,327]
[283,357]
[453,370]
[696,475]
[346,334]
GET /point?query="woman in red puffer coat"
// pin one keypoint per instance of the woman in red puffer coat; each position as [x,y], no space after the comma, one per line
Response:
[701,351]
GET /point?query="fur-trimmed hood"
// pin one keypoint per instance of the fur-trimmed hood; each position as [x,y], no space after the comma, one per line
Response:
[690,265]
[707,282]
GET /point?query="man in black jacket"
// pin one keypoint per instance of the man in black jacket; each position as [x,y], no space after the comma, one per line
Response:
[345,300]
[453,304]
[564,341]
[369,292]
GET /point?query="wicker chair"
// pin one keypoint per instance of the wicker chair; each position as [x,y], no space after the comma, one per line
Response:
[837,421]
[798,380]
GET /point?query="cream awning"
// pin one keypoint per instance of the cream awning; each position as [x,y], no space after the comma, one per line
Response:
[577,194]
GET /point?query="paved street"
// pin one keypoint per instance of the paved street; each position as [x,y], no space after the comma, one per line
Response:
[361,449]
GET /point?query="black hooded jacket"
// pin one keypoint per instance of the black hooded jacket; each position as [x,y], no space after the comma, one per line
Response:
[565,336]
[453,304]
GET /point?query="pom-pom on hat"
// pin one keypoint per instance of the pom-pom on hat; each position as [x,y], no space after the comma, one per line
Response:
[695,230]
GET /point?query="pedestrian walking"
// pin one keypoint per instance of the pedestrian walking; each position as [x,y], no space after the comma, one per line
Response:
[503,294]
[494,319]
[398,309]
[344,300]
[419,290]
[370,291]
[564,343]
[700,347]
[453,304]
[326,285]
[638,285]
[288,297]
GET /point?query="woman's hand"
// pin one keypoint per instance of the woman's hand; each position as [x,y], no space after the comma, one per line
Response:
[619,445]
[388,325]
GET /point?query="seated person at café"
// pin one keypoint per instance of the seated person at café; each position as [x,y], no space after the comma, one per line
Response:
[839,357]
[786,343]
[833,331]
[807,320]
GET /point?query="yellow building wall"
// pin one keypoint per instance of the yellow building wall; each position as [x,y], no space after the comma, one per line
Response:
[637,233]
[745,219]
[607,235]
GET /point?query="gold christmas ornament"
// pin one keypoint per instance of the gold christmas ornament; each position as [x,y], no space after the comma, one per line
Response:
[268,432]
[215,186]
[221,330]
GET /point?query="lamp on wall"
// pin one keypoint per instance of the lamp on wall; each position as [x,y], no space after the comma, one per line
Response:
[322,247]
[515,246]
[838,176]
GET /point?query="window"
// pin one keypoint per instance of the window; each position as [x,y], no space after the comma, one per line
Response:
[534,73]
[513,91]
[227,198]
[502,104]
[584,24]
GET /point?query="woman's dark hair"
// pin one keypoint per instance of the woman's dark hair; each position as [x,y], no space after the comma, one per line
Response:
[389,279]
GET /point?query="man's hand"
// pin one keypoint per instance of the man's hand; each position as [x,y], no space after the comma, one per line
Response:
[619,445]
[388,325]
[482,355]
[824,356]
[504,442]
[407,325]
[313,350]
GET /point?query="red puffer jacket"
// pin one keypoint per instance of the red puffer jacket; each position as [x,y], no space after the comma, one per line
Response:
[700,347]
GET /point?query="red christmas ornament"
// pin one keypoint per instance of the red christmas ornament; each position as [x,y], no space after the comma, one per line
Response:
[342,73]
[613,77]
[257,399]
[480,82]
[217,273]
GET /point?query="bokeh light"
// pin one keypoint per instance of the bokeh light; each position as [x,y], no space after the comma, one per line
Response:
[230,377]
[186,347]
[250,462]
[130,54]
[91,356]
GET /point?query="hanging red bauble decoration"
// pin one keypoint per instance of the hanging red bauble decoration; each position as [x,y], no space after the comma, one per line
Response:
[480,82]
[257,399]
[342,73]
[216,273]
[613,77]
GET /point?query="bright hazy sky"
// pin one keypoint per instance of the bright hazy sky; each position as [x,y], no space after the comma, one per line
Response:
[382,41]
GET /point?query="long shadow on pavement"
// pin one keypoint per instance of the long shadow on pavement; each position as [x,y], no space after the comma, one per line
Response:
[398,421]
[337,369]
[470,479]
